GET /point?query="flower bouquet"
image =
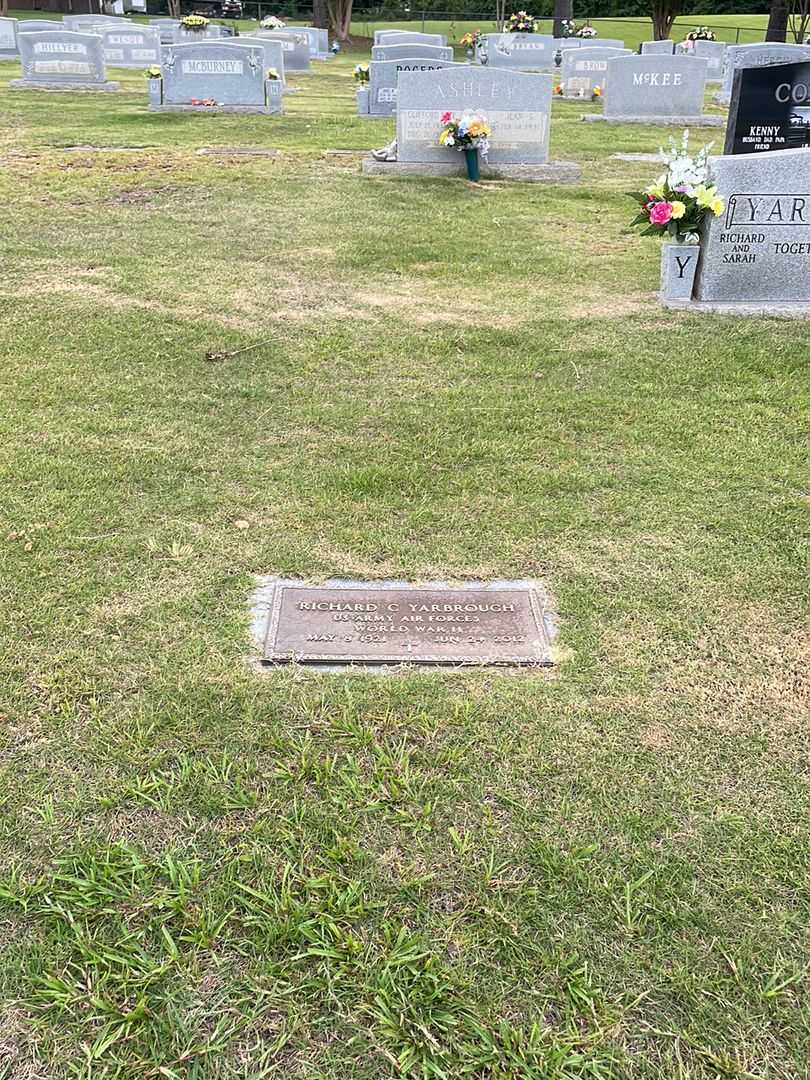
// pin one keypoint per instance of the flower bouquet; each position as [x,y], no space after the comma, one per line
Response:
[568,28]
[470,132]
[522,23]
[586,31]
[680,200]
[272,75]
[703,33]
[195,23]
[270,22]
[153,72]
[361,74]
[470,42]
[558,89]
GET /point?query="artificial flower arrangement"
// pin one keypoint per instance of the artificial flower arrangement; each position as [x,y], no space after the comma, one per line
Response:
[470,39]
[470,131]
[194,22]
[596,92]
[153,72]
[272,75]
[568,27]
[680,200]
[586,31]
[270,22]
[703,33]
[522,23]
[361,73]
[558,89]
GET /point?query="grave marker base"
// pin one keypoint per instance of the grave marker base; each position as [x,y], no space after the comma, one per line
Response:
[87,88]
[705,120]
[550,172]
[264,110]
[753,307]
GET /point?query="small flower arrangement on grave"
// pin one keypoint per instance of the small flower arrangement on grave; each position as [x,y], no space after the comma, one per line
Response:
[558,89]
[522,23]
[272,74]
[194,22]
[596,93]
[470,131]
[153,72]
[361,74]
[586,31]
[568,28]
[470,40]
[703,33]
[680,200]
[270,22]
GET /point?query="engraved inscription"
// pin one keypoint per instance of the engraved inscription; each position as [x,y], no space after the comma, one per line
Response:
[368,624]
[513,128]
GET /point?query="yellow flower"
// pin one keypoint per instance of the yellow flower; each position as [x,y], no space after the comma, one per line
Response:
[717,206]
[475,130]
[597,91]
[704,195]
[678,209]
[656,191]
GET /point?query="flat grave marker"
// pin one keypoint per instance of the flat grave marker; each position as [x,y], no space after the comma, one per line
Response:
[374,623]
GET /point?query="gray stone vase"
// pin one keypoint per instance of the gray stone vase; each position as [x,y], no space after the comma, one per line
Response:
[679,264]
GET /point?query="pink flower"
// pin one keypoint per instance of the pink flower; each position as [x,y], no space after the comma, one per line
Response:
[447,117]
[661,213]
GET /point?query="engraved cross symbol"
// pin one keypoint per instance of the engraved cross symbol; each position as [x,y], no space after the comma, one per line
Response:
[410,645]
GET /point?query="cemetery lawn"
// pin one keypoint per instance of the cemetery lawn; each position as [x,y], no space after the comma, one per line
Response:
[208,871]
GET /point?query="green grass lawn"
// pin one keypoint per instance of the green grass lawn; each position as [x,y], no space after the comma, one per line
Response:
[208,871]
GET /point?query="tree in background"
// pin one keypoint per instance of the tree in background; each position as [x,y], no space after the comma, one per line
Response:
[664,13]
[777,21]
[563,10]
[174,9]
[799,20]
[320,14]
[340,18]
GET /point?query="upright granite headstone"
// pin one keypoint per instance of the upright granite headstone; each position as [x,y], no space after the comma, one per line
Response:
[131,46]
[273,51]
[770,109]
[230,75]
[380,98]
[36,26]
[168,29]
[585,69]
[756,254]
[400,37]
[91,24]
[296,49]
[62,60]
[400,52]
[715,53]
[658,48]
[318,40]
[657,89]
[520,52]
[748,56]
[8,39]
[516,105]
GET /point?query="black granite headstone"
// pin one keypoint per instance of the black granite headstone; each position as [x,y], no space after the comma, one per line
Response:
[770,109]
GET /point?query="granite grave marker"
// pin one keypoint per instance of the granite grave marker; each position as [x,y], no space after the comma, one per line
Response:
[399,37]
[770,109]
[585,69]
[658,48]
[412,51]
[131,46]
[228,73]
[759,55]
[8,39]
[520,52]
[657,89]
[296,49]
[373,623]
[380,97]
[62,60]
[715,53]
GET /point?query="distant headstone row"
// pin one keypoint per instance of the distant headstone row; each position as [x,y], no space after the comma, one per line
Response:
[62,59]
